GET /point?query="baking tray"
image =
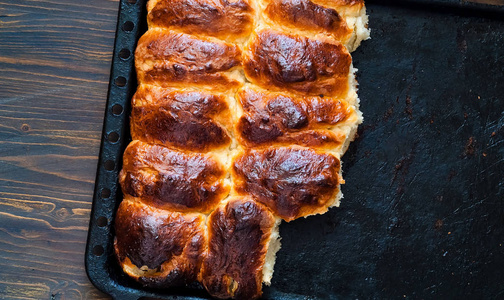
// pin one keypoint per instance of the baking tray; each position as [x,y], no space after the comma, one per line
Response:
[423,213]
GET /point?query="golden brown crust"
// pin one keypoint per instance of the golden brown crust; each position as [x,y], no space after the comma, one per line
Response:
[156,247]
[346,8]
[282,118]
[170,179]
[274,60]
[356,4]
[173,59]
[308,16]
[219,18]
[186,120]
[292,181]
[189,65]
[238,235]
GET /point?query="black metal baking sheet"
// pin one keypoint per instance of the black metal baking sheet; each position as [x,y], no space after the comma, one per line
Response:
[423,213]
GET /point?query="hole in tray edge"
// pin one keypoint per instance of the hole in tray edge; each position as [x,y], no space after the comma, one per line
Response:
[98,250]
[102,221]
[113,137]
[120,81]
[117,109]
[124,54]
[109,165]
[105,193]
[128,26]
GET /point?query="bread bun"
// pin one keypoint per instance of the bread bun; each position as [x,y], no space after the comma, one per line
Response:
[243,111]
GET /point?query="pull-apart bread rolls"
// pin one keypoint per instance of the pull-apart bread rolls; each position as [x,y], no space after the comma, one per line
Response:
[241,233]
[169,58]
[159,248]
[343,20]
[223,19]
[292,181]
[170,179]
[279,61]
[189,120]
[271,118]
[242,113]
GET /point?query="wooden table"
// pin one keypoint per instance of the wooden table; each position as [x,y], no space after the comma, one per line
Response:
[55,59]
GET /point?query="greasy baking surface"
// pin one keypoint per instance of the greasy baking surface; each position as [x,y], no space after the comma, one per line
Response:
[170,58]
[170,179]
[276,60]
[292,181]
[158,247]
[238,235]
[188,120]
[307,16]
[220,18]
[288,119]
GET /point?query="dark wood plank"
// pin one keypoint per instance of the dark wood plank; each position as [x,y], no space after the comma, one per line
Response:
[55,61]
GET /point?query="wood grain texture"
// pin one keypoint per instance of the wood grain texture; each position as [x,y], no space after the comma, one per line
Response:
[55,59]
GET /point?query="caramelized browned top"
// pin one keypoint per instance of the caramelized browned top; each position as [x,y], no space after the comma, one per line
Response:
[185,120]
[310,67]
[219,18]
[238,239]
[292,181]
[350,7]
[306,15]
[167,58]
[171,179]
[170,244]
[282,118]
[349,3]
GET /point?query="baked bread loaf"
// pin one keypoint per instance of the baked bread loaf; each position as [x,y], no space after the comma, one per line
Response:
[242,113]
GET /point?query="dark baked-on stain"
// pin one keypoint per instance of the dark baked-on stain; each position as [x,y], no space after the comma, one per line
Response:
[167,58]
[292,181]
[185,120]
[169,244]
[311,67]
[238,234]
[171,179]
[285,119]
[219,18]
[306,15]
